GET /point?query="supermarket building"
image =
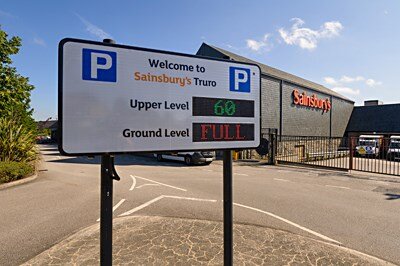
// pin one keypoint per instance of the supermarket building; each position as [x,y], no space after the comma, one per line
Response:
[292,105]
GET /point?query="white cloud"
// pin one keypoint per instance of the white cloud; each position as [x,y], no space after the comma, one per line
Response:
[330,81]
[330,29]
[258,45]
[39,41]
[346,90]
[372,83]
[307,38]
[254,45]
[347,79]
[340,85]
[94,30]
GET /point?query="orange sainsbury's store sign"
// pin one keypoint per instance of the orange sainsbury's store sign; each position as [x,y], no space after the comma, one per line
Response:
[311,101]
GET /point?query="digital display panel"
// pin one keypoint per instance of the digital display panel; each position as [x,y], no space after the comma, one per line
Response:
[206,132]
[203,106]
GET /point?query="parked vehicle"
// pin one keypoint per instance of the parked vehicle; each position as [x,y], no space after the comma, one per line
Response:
[189,158]
[369,145]
[393,152]
[43,139]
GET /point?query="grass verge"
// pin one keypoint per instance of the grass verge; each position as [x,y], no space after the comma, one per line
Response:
[11,171]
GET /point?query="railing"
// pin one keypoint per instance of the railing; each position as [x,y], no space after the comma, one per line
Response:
[382,157]
[361,154]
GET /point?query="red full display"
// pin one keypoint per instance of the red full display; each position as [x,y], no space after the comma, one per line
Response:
[205,132]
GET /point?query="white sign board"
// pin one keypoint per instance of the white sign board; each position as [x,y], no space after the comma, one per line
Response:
[115,99]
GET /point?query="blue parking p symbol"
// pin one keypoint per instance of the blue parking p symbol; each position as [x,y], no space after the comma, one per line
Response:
[99,65]
[239,79]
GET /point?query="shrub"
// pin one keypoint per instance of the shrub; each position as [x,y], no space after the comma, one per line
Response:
[17,141]
[11,171]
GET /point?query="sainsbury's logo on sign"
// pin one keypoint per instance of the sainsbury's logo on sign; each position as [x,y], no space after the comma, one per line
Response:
[311,101]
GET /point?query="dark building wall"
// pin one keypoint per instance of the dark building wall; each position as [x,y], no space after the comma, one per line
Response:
[270,102]
[341,112]
[379,119]
[301,120]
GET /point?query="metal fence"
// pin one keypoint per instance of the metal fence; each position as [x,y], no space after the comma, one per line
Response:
[375,154]
[270,134]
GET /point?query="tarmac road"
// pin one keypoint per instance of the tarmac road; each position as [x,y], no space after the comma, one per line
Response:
[360,214]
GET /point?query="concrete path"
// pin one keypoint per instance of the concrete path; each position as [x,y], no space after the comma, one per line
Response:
[149,240]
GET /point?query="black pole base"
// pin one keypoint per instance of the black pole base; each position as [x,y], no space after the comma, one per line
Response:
[228,208]
[106,213]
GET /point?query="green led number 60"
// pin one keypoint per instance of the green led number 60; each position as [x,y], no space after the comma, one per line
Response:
[229,108]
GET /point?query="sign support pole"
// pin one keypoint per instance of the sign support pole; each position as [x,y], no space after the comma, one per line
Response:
[106,205]
[228,208]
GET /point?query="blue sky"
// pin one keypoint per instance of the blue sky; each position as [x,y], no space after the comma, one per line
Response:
[349,46]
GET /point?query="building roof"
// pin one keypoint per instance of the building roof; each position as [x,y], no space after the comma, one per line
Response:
[378,118]
[50,124]
[213,51]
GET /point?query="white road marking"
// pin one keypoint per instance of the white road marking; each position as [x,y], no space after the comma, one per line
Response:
[289,222]
[241,174]
[145,185]
[118,204]
[133,183]
[337,186]
[115,207]
[194,199]
[144,205]
[279,179]
[178,188]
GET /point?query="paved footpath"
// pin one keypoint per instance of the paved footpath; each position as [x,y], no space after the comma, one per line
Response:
[144,240]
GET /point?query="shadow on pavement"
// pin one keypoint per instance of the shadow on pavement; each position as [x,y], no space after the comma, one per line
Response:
[49,149]
[52,153]
[77,160]
[119,160]
[391,196]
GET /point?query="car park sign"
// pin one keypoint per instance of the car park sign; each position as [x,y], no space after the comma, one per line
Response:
[116,99]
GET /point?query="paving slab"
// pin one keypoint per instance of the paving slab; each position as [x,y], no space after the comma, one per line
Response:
[149,240]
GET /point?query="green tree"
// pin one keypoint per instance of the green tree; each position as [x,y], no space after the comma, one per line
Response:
[15,90]
[17,127]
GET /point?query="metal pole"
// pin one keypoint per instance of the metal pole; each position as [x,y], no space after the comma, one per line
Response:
[106,205]
[228,209]
[274,145]
[351,153]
